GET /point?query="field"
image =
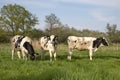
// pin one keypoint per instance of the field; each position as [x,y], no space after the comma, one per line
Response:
[105,65]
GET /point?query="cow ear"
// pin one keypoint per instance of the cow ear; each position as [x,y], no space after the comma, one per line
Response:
[56,37]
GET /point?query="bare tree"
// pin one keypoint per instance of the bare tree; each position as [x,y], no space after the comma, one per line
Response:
[52,21]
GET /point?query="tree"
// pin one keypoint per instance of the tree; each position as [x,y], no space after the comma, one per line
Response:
[36,33]
[16,19]
[113,33]
[52,21]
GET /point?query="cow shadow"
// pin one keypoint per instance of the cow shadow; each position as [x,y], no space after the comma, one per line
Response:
[74,57]
[64,55]
[106,57]
[83,57]
[95,57]
[38,57]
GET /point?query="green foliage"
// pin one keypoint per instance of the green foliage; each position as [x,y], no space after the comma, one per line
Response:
[4,36]
[16,19]
[105,65]
[64,31]
[36,33]
[90,33]
[113,33]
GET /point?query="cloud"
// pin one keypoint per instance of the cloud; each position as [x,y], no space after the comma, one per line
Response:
[105,3]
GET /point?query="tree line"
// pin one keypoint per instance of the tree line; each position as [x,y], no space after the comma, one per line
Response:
[15,19]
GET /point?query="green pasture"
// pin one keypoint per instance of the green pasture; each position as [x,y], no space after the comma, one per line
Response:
[105,65]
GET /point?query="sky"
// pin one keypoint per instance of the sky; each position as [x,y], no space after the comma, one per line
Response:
[80,14]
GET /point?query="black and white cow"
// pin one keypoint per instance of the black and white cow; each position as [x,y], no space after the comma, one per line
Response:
[24,44]
[85,43]
[48,43]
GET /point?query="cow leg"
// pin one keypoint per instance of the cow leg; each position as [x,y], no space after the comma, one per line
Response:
[94,50]
[70,54]
[50,55]
[13,51]
[55,56]
[18,53]
[24,55]
[90,54]
[43,54]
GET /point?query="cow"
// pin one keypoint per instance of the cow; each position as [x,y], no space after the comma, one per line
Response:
[48,43]
[85,43]
[22,44]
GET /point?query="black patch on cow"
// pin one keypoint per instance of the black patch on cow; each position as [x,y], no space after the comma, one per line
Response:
[75,41]
[48,38]
[97,42]
[30,50]
[17,44]
[55,40]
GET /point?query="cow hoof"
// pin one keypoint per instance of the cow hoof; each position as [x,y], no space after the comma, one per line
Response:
[69,58]
[90,59]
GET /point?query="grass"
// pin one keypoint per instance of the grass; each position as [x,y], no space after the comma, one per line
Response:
[105,65]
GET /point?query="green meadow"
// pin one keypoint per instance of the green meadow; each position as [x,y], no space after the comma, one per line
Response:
[104,66]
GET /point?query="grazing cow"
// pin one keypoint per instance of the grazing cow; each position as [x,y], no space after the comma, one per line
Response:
[48,43]
[24,44]
[85,43]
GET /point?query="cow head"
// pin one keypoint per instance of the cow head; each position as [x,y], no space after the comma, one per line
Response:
[54,39]
[17,43]
[15,38]
[99,41]
[30,50]
[104,41]
[32,57]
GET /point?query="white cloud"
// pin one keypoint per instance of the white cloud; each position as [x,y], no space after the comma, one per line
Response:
[105,3]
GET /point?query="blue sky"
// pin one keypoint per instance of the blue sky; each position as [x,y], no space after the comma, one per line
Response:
[80,14]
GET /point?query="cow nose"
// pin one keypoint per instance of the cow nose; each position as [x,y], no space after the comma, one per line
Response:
[107,44]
